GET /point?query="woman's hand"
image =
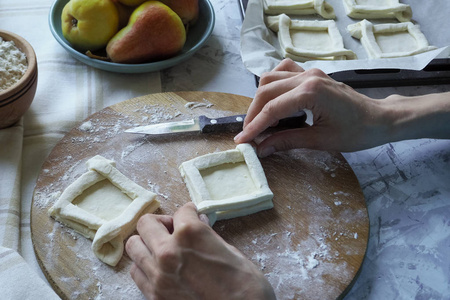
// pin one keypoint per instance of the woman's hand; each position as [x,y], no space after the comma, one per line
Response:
[181,257]
[343,119]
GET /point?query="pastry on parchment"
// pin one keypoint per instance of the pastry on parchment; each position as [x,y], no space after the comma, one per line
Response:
[390,40]
[303,40]
[299,7]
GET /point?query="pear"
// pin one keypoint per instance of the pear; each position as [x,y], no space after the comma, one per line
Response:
[89,24]
[124,14]
[131,2]
[187,10]
[154,32]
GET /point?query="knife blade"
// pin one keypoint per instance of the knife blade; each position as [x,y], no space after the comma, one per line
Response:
[204,124]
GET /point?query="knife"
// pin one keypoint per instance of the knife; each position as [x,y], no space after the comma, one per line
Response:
[204,124]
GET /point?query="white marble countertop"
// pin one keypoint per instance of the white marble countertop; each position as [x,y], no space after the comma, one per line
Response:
[406,184]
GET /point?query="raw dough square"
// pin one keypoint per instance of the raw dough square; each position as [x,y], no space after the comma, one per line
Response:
[390,40]
[378,9]
[103,205]
[309,40]
[299,7]
[227,184]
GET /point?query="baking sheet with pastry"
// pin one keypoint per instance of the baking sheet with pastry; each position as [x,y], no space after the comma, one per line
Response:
[259,44]
[310,245]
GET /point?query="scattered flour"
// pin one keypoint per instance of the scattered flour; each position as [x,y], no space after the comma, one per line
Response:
[13,64]
[287,265]
[87,126]
[192,105]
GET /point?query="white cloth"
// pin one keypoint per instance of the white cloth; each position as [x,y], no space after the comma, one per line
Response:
[67,93]
[19,281]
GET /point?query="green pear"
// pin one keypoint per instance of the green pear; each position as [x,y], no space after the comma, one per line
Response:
[154,32]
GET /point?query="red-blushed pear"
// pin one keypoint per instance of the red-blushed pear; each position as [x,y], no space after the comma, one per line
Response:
[154,32]
[186,9]
[89,24]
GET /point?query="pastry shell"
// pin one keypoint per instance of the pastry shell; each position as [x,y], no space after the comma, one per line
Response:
[244,190]
[302,49]
[299,7]
[107,234]
[376,9]
[403,39]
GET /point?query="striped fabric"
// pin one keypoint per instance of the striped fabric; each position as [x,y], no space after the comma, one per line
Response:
[67,93]
[18,280]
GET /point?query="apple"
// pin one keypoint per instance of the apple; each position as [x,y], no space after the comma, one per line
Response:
[89,24]
[154,32]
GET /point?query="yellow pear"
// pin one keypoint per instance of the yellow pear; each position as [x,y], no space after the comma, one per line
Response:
[131,2]
[89,24]
[154,32]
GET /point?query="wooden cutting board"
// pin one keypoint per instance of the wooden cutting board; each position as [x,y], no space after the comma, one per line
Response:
[310,245]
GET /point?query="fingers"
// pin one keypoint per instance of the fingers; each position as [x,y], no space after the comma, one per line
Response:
[154,229]
[142,257]
[271,85]
[204,218]
[187,214]
[288,139]
[288,64]
[140,278]
[283,106]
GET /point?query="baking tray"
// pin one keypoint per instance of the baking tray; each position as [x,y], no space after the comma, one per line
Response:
[437,72]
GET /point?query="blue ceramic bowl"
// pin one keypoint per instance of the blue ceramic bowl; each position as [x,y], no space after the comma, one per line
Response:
[196,37]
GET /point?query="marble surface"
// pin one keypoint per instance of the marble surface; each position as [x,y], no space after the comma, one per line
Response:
[406,184]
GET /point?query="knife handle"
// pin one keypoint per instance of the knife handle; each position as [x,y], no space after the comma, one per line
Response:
[235,123]
[223,124]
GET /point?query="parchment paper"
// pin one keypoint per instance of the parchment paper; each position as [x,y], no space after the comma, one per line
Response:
[260,49]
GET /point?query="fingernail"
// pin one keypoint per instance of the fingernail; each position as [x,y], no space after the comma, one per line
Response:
[266,151]
[238,135]
[204,218]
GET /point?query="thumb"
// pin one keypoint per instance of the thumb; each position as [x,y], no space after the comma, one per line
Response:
[290,139]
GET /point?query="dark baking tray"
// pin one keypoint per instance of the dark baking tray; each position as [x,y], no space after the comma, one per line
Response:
[436,72]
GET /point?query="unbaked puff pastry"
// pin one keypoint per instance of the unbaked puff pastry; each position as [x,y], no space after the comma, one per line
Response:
[227,184]
[390,40]
[303,40]
[378,9]
[299,7]
[103,205]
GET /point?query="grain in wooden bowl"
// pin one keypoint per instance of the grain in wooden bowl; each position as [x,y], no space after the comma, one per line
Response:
[18,77]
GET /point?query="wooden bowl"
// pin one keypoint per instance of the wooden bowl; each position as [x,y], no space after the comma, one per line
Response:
[15,100]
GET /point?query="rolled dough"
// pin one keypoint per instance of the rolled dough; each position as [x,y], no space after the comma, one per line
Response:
[299,7]
[103,205]
[378,9]
[227,184]
[303,40]
[390,40]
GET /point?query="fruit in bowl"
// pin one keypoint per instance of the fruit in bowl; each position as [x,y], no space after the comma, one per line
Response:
[89,24]
[121,32]
[154,32]
[187,10]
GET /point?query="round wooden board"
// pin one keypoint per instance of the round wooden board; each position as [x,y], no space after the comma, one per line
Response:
[310,245]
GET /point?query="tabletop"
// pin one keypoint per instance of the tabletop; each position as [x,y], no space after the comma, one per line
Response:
[405,184]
